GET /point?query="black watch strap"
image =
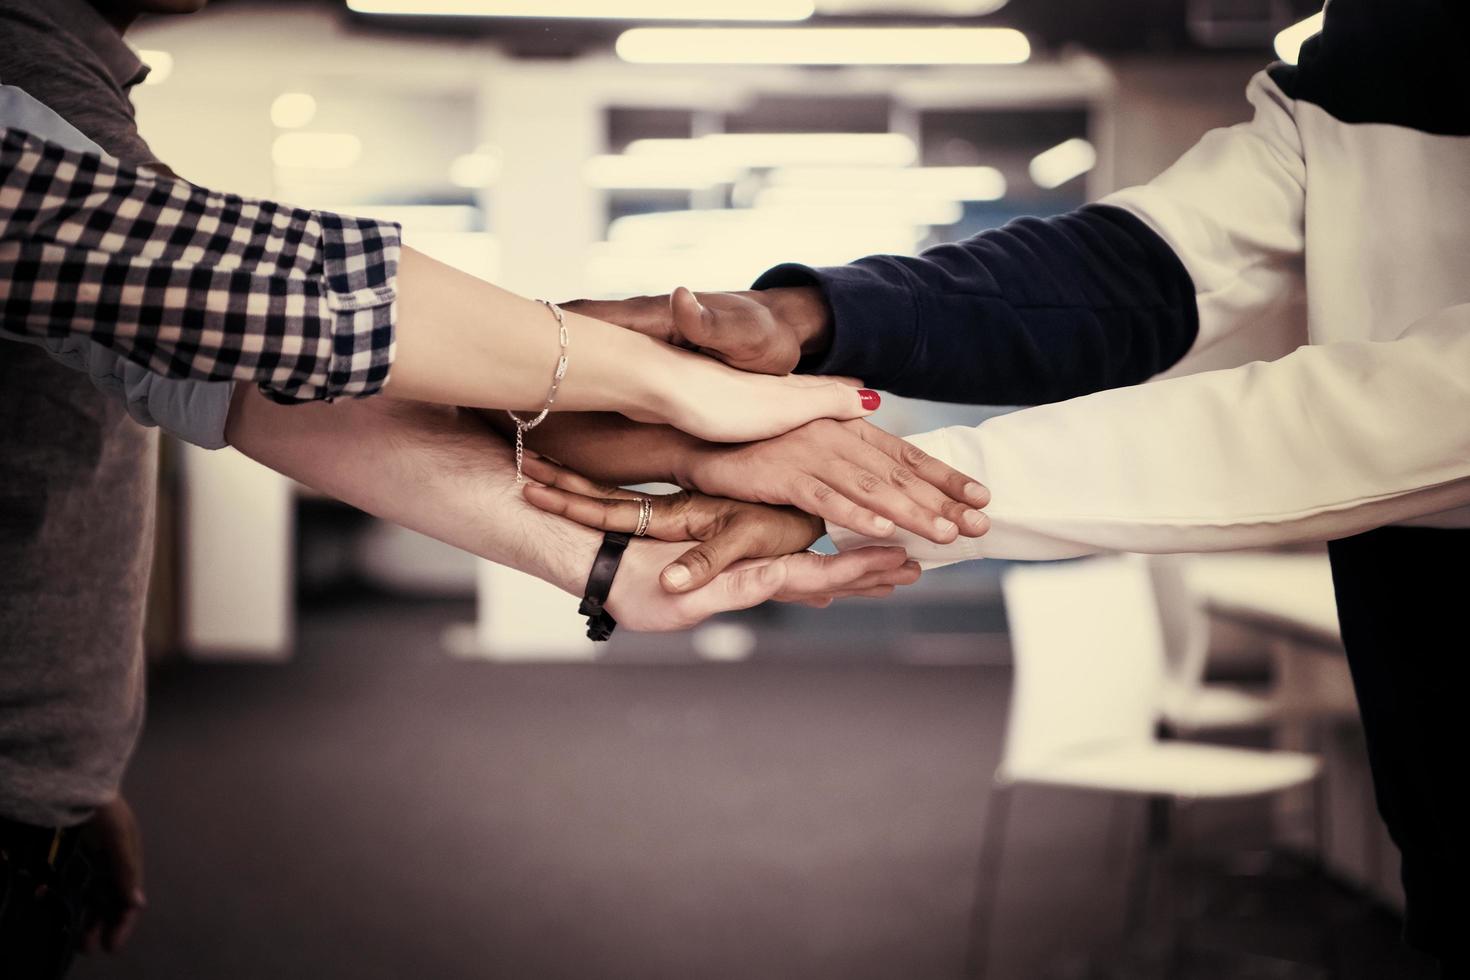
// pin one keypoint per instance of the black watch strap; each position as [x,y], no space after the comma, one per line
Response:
[600,623]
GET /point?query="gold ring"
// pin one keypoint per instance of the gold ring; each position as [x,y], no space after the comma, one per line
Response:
[645,514]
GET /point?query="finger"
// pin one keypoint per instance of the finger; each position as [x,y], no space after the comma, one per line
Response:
[814,575]
[553,474]
[819,499]
[606,513]
[744,585]
[699,565]
[873,480]
[695,322]
[935,472]
[876,592]
[906,574]
[648,315]
[828,399]
[92,941]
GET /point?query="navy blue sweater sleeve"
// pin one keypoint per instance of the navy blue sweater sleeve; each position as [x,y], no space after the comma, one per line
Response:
[1038,311]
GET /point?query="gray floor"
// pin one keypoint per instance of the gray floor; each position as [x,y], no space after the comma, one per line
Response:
[377,810]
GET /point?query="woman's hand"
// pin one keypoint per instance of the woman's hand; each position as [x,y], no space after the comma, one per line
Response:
[465,342]
[708,399]
[850,473]
[728,530]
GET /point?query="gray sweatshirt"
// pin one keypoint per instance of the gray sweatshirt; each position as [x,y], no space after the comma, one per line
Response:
[76,485]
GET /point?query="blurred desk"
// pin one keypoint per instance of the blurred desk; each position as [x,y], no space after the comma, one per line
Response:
[1280,593]
[1288,600]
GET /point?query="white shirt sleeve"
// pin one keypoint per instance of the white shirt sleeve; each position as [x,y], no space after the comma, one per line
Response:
[1233,209]
[1329,441]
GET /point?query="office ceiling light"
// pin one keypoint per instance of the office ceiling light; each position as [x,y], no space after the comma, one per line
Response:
[292,110]
[160,65]
[817,203]
[316,151]
[785,149]
[679,173]
[952,183]
[924,8]
[1289,42]
[600,9]
[824,45]
[1054,167]
[475,170]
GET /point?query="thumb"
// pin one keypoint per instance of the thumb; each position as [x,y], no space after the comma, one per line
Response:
[748,585]
[692,320]
[699,565]
[839,400]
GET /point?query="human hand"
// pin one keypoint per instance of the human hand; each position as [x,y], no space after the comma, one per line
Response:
[718,403]
[764,331]
[728,530]
[850,473]
[639,601]
[115,845]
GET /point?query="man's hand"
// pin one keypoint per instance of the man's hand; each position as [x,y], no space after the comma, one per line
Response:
[850,473]
[639,602]
[114,844]
[728,530]
[764,331]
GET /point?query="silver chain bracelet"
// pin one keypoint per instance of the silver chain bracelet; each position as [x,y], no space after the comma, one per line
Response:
[522,425]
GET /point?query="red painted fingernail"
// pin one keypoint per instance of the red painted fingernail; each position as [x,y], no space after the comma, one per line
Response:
[870,398]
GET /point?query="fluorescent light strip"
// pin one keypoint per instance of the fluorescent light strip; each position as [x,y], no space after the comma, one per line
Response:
[1289,42]
[806,202]
[824,46]
[647,172]
[599,9]
[953,183]
[784,149]
[1054,167]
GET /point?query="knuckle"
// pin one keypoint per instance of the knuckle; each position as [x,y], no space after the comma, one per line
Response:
[817,490]
[912,455]
[867,482]
[902,476]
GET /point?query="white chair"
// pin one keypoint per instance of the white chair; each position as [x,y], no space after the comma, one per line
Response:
[1189,703]
[1305,685]
[1086,706]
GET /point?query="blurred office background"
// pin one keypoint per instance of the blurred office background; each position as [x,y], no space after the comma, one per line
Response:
[370,755]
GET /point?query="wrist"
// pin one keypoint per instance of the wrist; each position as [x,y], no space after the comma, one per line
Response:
[806,311]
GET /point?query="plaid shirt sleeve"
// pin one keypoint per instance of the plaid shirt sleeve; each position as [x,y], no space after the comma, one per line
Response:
[192,283]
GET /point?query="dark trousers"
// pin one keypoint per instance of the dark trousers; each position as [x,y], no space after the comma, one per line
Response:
[1403,600]
[44,891]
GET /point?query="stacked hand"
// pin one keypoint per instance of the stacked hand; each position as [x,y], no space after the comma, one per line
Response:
[753,500]
[762,331]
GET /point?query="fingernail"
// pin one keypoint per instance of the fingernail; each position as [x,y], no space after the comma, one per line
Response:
[677,576]
[973,517]
[883,525]
[944,525]
[871,399]
[977,493]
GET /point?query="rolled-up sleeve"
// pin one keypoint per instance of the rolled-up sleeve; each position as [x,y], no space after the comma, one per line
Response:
[189,282]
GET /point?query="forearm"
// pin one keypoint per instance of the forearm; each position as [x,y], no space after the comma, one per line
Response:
[464,341]
[1327,442]
[610,448]
[434,469]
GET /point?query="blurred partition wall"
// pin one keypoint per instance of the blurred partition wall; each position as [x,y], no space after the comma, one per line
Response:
[592,176]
